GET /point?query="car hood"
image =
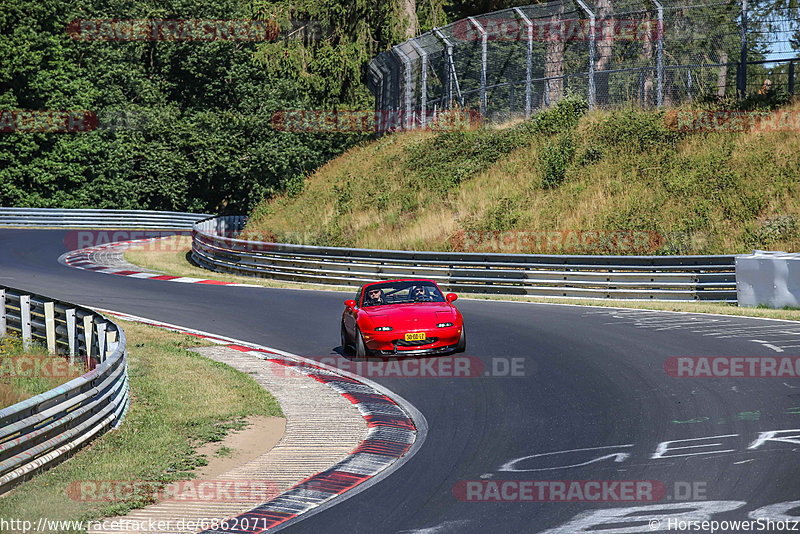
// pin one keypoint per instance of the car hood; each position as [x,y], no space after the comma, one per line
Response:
[420,314]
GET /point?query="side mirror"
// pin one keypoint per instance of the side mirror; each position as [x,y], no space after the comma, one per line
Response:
[350,303]
[450,297]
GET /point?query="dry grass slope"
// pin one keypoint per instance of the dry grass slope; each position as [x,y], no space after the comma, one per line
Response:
[624,170]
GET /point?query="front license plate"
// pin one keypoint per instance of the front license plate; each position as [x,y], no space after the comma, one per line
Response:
[415,336]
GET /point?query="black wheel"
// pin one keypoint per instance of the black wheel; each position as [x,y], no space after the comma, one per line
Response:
[461,346]
[345,341]
[361,348]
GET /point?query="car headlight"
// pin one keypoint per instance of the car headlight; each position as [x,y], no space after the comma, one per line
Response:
[444,325]
[383,328]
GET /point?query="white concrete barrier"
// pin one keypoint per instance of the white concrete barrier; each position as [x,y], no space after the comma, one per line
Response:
[769,279]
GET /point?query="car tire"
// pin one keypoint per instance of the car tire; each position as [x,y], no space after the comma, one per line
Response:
[344,340]
[461,346]
[361,348]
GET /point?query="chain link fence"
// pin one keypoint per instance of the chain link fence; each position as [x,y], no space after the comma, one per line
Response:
[509,63]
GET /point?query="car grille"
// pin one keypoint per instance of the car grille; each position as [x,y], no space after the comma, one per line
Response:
[404,343]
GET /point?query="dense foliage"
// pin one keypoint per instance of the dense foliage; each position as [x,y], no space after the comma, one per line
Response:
[183,125]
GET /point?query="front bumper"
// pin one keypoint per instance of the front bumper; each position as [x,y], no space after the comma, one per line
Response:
[442,340]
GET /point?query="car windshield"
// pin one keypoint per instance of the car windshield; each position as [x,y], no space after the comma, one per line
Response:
[407,292]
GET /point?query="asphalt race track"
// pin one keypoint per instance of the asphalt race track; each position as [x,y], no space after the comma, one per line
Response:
[585,378]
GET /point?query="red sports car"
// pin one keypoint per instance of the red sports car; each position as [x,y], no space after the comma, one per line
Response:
[402,317]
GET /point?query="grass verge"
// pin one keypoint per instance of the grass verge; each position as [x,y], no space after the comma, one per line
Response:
[180,400]
[171,259]
[27,373]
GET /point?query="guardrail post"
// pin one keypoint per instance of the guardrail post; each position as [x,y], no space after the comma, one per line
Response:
[111,339]
[50,326]
[3,323]
[102,341]
[72,335]
[88,337]
[528,62]
[25,319]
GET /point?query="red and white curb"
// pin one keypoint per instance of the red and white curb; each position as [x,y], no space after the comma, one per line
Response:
[82,259]
[396,432]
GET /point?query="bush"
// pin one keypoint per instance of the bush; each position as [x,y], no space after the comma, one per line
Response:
[563,116]
[556,158]
[638,131]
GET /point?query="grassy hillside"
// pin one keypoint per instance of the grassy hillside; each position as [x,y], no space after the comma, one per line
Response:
[615,173]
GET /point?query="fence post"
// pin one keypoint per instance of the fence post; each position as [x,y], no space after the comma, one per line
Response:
[25,320]
[379,102]
[50,326]
[689,84]
[386,100]
[641,87]
[791,77]
[409,117]
[743,53]
[451,68]
[3,321]
[72,335]
[377,74]
[424,82]
[484,37]
[591,51]
[394,90]
[528,63]
[660,55]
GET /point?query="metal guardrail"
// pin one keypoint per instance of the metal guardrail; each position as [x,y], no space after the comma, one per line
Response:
[708,278]
[40,431]
[88,218]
